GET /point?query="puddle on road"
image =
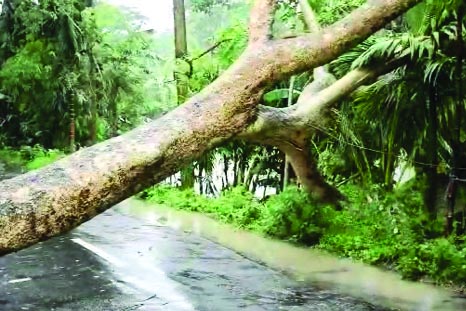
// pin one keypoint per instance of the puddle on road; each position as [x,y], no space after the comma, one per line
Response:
[307,265]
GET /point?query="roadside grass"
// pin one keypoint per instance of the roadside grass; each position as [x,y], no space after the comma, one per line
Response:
[29,158]
[388,229]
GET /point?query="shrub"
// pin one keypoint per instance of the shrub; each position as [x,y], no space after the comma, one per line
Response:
[293,215]
[290,215]
[237,206]
[375,227]
[177,198]
[440,259]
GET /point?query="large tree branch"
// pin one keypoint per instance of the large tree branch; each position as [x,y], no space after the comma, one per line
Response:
[289,128]
[57,198]
[306,170]
[276,124]
[321,73]
[311,106]
[310,51]
[261,20]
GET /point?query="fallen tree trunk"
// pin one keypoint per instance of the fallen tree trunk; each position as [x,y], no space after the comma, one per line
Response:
[50,201]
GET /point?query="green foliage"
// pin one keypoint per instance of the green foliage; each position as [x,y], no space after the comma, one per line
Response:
[237,206]
[235,38]
[330,11]
[65,64]
[291,215]
[279,94]
[233,206]
[38,157]
[10,158]
[286,21]
[374,227]
[174,197]
[441,259]
[392,229]
[409,113]
[45,73]
[206,5]
[28,158]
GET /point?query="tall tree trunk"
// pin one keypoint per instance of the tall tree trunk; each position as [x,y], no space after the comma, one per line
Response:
[113,111]
[94,71]
[181,50]
[249,174]
[188,177]
[242,164]
[306,171]
[200,179]
[52,200]
[235,168]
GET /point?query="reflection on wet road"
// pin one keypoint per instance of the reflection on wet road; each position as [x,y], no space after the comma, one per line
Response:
[118,262]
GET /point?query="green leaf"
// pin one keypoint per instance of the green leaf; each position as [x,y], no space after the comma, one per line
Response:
[279,94]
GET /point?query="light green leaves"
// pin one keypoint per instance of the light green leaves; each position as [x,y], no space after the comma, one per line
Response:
[279,94]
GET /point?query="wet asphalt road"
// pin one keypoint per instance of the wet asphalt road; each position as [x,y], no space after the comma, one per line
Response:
[117,262]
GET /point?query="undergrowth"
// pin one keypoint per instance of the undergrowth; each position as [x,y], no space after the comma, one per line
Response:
[376,227]
[38,157]
[28,158]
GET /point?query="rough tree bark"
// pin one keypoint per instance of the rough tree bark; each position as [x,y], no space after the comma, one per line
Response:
[50,201]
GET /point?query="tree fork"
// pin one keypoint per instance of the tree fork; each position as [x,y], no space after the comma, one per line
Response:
[53,200]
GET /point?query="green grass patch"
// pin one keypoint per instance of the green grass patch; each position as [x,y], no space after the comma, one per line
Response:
[290,216]
[44,158]
[28,158]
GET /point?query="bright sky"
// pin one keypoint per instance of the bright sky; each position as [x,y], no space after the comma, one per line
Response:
[158,12]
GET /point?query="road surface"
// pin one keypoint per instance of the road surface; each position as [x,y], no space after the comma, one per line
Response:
[120,262]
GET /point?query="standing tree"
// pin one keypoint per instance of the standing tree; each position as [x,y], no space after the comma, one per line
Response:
[181,49]
[181,78]
[52,200]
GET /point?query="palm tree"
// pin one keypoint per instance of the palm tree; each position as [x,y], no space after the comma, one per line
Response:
[418,107]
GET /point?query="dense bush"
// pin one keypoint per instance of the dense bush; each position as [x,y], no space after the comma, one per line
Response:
[392,229]
[290,215]
[295,216]
[441,259]
[235,206]
[376,227]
